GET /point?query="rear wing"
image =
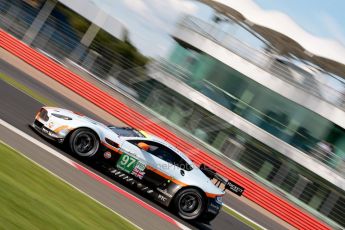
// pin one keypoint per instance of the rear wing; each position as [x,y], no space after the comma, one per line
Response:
[219,180]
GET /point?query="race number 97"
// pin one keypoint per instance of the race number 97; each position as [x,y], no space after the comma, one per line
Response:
[127,163]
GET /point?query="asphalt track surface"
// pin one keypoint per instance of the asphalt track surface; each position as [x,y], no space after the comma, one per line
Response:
[19,109]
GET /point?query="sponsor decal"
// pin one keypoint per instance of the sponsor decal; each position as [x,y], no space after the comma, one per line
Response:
[126,163]
[235,188]
[162,198]
[165,192]
[107,155]
[131,165]
[141,166]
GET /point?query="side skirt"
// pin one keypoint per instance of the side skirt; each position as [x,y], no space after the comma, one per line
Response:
[161,195]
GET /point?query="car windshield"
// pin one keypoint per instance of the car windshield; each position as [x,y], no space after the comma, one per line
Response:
[126,131]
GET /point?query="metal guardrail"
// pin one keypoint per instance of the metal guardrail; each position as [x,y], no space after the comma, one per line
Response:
[265,61]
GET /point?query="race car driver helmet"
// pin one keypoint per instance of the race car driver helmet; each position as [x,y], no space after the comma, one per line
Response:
[144,146]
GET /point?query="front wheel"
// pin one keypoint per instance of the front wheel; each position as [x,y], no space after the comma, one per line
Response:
[84,143]
[189,204]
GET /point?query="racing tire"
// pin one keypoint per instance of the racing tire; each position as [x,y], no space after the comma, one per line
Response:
[84,143]
[189,204]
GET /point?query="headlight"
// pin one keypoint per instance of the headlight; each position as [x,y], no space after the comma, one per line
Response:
[61,116]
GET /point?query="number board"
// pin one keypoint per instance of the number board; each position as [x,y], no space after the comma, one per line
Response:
[126,163]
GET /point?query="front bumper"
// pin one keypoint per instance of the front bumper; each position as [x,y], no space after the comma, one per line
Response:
[46,132]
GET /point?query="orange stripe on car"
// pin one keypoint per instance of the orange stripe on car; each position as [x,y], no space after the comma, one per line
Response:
[63,127]
[211,195]
[148,167]
[111,147]
[162,174]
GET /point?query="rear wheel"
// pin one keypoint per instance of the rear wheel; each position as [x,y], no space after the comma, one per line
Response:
[84,143]
[189,204]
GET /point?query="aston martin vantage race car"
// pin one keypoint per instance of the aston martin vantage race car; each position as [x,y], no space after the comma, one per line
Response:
[141,160]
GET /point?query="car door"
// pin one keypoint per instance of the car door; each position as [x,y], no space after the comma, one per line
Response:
[160,162]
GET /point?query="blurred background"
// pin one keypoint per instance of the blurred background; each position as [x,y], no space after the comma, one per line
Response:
[259,83]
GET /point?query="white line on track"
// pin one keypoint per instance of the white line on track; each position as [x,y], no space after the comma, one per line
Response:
[244,217]
[74,164]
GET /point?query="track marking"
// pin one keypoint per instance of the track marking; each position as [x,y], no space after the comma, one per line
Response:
[60,178]
[94,176]
[9,80]
[244,217]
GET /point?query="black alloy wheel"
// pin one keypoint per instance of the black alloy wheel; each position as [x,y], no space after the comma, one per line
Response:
[189,204]
[84,143]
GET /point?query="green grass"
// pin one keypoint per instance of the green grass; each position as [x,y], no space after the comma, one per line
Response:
[241,218]
[26,90]
[32,198]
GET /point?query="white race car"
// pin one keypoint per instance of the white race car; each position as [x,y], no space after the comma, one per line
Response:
[144,161]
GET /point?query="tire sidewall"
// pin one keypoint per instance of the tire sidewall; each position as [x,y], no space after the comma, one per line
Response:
[184,215]
[75,134]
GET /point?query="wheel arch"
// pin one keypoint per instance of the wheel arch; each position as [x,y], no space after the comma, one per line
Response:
[188,187]
[81,127]
[174,204]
